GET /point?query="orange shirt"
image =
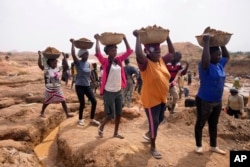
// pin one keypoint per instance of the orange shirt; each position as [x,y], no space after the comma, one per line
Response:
[155,84]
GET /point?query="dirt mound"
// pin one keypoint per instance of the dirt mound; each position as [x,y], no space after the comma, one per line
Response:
[22,131]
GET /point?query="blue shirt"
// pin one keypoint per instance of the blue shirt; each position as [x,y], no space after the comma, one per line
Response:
[212,81]
[83,73]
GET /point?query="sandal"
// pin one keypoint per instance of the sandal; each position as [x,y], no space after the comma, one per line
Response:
[119,136]
[146,136]
[156,154]
[42,115]
[100,133]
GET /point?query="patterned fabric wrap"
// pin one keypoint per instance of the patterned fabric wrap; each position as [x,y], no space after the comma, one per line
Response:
[53,96]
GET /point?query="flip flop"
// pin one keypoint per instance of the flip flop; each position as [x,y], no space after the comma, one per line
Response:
[156,154]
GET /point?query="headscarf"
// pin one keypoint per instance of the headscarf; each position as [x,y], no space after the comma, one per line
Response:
[236,79]
[81,52]
[152,47]
[233,90]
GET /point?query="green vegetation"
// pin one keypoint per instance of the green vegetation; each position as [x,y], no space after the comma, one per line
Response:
[9,53]
[239,53]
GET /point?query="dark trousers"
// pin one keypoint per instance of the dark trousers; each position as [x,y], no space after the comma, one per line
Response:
[235,113]
[210,112]
[81,91]
[155,116]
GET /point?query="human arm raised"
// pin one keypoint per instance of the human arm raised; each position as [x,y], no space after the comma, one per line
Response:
[205,58]
[171,51]
[39,63]
[225,52]
[97,46]
[73,52]
[98,54]
[170,45]
[126,43]
[64,55]
[140,57]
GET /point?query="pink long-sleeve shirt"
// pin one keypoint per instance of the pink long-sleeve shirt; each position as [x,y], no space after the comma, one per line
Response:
[105,63]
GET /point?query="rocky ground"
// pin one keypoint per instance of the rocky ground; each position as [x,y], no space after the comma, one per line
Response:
[29,140]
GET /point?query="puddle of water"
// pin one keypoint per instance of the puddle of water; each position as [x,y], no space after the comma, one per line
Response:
[47,150]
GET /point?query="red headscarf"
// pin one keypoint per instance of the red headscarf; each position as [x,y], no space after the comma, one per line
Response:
[152,47]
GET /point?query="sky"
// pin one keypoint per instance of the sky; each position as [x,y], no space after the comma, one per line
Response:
[32,25]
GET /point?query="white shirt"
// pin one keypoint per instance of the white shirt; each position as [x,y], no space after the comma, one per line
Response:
[52,77]
[114,79]
[236,102]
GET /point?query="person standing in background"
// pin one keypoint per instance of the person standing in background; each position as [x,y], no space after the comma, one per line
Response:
[175,67]
[189,77]
[138,82]
[181,85]
[236,83]
[130,72]
[94,78]
[65,68]
[73,74]
[248,106]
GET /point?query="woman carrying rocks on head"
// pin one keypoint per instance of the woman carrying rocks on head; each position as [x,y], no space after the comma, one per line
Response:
[209,97]
[82,83]
[155,87]
[113,80]
[53,92]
